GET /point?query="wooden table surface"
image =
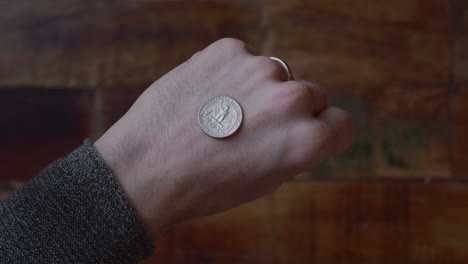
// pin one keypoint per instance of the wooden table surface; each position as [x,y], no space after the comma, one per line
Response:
[69,69]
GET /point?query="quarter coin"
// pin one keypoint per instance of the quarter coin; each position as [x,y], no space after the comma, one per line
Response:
[220,116]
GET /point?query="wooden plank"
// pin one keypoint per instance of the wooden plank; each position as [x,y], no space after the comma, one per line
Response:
[240,235]
[334,223]
[371,223]
[350,223]
[104,44]
[39,126]
[362,43]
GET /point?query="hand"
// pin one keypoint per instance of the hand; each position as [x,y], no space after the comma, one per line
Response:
[172,171]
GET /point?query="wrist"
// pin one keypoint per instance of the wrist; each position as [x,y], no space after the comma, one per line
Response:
[125,160]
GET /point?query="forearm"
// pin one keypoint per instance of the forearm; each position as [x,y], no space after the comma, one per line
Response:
[72,212]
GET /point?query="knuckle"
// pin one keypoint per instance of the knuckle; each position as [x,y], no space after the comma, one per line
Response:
[265,64]
[231,44]
[268,67]
[285,101]
[312,89]
[295,92]
[298,88]
[195,55]
[262,67]
[220,54]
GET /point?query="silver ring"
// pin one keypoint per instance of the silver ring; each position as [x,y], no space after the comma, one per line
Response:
[285,66]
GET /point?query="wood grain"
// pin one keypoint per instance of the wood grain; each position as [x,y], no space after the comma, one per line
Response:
[69,70]
[241,235]
[372,223]
[362,43]
[106,43]
[333,223]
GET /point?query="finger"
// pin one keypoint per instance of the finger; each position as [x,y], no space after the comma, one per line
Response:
[339,128]
[228,49]
[311,95]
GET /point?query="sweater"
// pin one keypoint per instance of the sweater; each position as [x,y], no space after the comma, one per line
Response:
[73,211]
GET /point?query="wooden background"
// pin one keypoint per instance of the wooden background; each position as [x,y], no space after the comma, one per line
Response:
[69,69]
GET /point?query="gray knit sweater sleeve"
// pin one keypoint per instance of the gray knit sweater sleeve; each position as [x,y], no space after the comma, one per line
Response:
[72,212]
